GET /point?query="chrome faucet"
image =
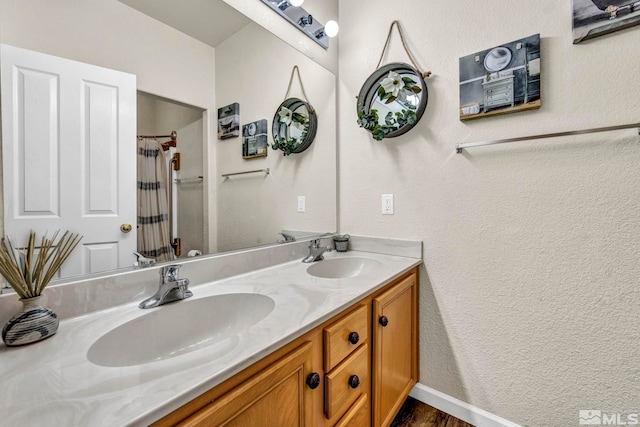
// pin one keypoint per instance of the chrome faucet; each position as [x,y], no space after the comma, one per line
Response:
[287,237]
[172,288]
[316,251]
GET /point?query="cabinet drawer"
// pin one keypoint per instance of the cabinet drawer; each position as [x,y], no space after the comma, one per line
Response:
[497,90]
[498,102]
[357,415]
[341,388]
[499,95]
[340,338]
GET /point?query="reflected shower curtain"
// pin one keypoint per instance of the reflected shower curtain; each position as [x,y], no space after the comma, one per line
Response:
[153,204]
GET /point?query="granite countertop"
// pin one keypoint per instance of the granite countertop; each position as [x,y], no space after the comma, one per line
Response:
[53,383]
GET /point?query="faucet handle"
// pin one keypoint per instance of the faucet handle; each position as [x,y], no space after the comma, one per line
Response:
[170,272]
[287,237]
[142,260]
[315,244]
[183,284]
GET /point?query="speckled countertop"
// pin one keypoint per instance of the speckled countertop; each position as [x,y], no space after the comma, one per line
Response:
[53,383]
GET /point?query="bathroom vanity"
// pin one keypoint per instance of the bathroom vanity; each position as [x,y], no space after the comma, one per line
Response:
[272,341]
[358,366]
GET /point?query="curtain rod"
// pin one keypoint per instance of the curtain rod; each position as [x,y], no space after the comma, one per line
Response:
[226,175]
[460,147]
[173,136]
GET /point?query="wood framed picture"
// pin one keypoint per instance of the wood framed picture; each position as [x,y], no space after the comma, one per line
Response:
[593,18]
[501,80]
[254,139]
[229,121]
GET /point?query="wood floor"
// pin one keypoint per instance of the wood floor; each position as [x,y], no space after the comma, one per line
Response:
[416,414]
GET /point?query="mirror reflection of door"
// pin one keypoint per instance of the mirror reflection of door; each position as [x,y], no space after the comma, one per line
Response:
[68,156]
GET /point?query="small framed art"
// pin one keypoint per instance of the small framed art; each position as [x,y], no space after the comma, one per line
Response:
[593,18]
[229,121]
[254,139]
[503,79]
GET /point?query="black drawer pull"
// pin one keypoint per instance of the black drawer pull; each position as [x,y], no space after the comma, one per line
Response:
[383,320]
[354,337]
[313,380]
[354,381]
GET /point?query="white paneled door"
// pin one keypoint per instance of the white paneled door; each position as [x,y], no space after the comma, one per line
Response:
[68,148]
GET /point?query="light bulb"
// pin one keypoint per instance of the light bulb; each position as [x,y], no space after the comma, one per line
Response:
[331,28]
[296,3]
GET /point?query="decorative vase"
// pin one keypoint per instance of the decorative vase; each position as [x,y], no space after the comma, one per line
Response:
[33,324]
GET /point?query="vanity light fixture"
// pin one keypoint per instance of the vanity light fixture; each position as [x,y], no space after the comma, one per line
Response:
[331,28]
[305,21]
[283,5]
[302,20]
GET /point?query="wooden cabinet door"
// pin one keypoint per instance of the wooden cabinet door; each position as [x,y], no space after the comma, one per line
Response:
[395,348]
[277,396]
[357,415]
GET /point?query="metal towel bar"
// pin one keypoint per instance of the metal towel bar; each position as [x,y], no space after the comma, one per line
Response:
[460,147]
[187,180]
[226,175]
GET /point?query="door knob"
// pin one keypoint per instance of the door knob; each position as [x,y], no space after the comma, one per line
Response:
[125,228]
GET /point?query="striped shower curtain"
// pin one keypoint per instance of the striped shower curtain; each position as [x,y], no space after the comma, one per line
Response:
[153,204]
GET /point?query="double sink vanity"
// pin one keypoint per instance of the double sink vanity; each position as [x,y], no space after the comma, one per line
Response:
[332,342]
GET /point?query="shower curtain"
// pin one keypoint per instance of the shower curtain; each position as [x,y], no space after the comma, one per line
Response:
[153,204]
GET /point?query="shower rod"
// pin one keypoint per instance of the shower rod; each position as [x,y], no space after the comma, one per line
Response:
[460,147]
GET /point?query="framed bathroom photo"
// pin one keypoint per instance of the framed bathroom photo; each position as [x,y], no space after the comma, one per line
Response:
[254,139]
[593,18]
[500,80]
[229,121]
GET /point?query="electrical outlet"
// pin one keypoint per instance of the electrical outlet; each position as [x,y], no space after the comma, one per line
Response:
[387,204]
[302,204]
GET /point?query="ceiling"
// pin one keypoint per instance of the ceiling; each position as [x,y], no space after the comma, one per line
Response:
[210,21]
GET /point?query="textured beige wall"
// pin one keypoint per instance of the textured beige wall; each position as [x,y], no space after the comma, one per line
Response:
[253,68]
[529,295]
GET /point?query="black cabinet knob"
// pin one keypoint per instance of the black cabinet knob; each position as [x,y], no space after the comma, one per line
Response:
[383,320]
[313,380]
[354,381]
[354,337]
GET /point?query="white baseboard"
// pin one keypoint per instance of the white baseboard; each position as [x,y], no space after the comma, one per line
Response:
[457,408]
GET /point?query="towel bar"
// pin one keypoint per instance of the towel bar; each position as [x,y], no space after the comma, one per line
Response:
[460,147]
[226,175]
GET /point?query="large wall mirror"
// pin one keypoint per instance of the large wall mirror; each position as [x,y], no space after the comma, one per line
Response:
[189,61]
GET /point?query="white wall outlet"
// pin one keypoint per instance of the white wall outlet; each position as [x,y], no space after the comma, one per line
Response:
[387,204]
[302,204]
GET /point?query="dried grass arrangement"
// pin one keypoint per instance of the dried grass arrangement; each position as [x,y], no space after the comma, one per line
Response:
[30,270]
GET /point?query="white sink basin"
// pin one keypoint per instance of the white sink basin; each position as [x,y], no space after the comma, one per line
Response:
[342,268]
[178,328]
